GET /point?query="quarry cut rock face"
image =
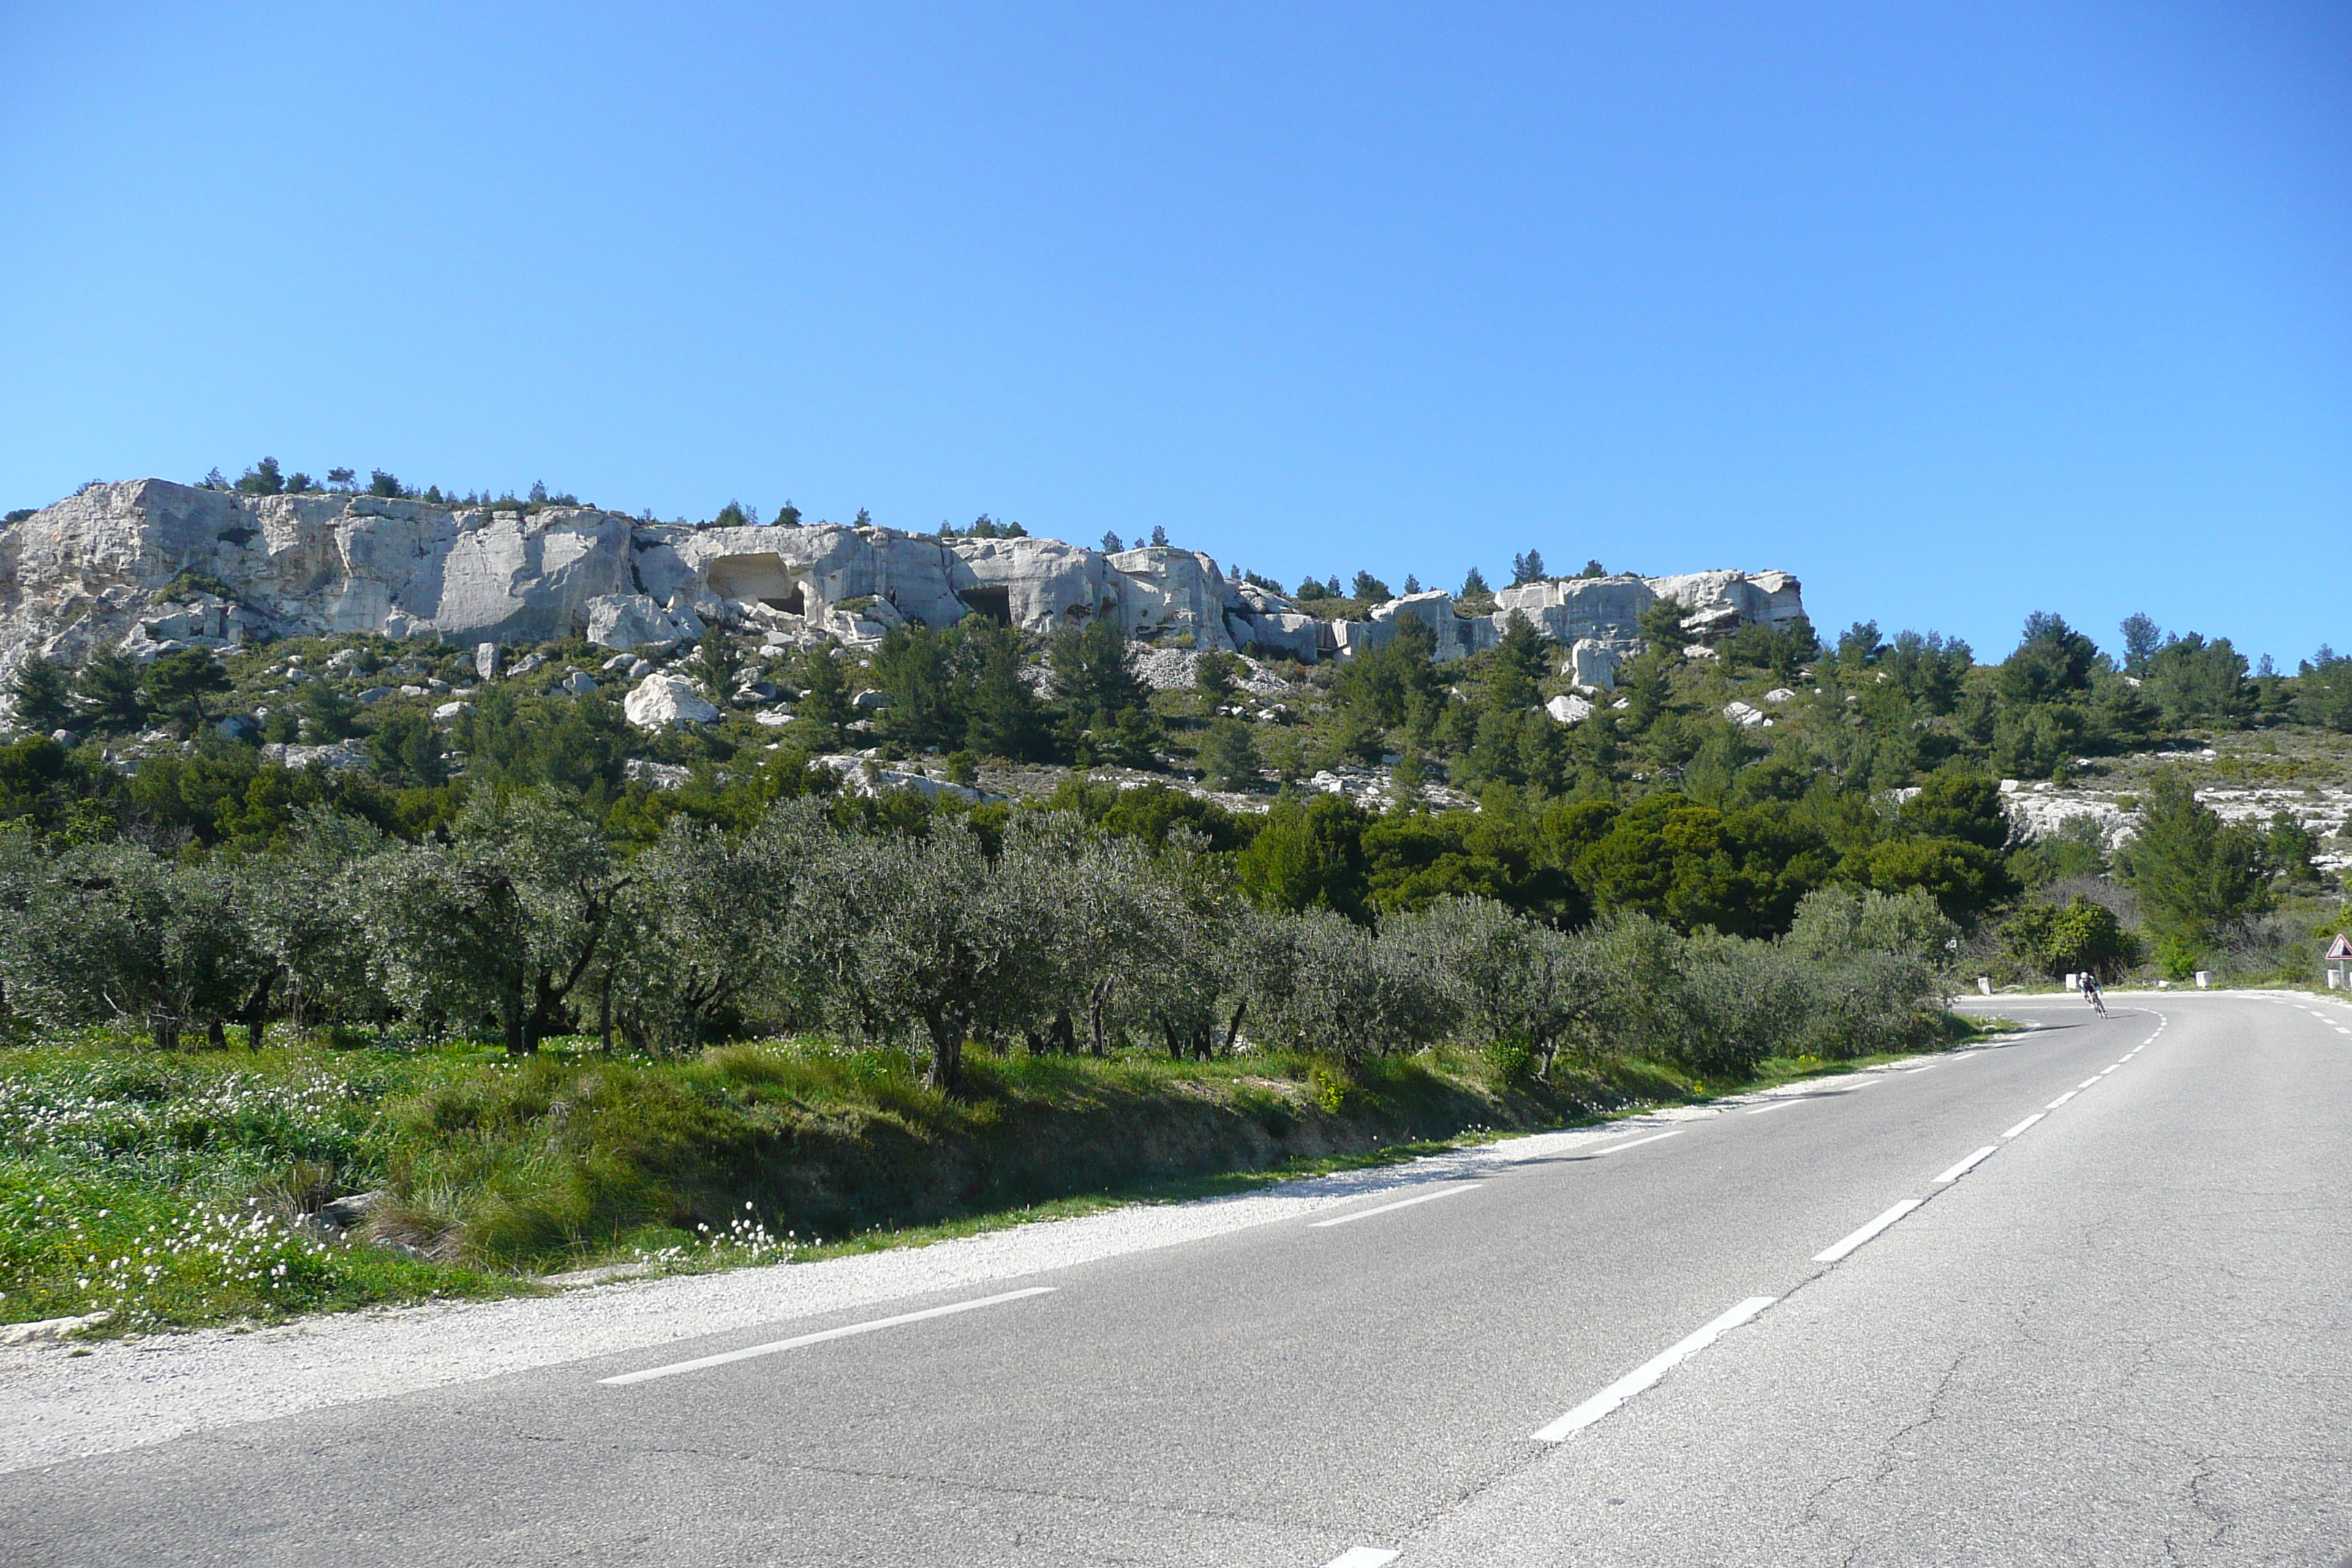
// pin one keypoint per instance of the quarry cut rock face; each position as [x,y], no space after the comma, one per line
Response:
[154,565]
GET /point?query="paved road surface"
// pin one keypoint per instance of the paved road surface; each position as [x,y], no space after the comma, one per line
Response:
[2117,1337]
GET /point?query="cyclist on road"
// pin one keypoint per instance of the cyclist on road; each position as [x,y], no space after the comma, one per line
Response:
[2091,993]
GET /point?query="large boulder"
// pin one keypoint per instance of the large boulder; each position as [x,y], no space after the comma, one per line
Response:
[626,621]
[660,701]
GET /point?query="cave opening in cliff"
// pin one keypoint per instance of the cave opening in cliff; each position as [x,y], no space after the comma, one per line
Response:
[758,579]
[995,601]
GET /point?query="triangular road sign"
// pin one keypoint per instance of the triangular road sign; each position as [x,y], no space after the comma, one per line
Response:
[2340,948]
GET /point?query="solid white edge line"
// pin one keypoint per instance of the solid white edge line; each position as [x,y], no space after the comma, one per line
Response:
[1636,1143]
[1851,1242]
[1444,1191]
[841,1333]
[1961,1169]
[2062,1100]
[1649,1373]
[1363,1557]
[2024,1124]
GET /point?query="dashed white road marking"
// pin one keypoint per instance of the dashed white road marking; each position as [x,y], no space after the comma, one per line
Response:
[1848,1244]
[1444,1191]
[1776,1105]
[1961,1169]
[1636,1143]
[1363,1557]
[2087,1083]
[1649,1373]
[841,1333]
[2062,1100]
[2023,1125]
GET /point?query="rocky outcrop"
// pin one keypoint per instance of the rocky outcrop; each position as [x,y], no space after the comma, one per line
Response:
[660,701]
[154,565]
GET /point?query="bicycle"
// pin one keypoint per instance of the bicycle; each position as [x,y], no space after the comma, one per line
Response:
[2091,994]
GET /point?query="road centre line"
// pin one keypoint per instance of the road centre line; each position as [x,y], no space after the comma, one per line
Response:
[1855,1240]
[1776,1105]
[1957,1171]
[2062,1100]
[1363,1557]
[1649,1373]
[1636,1143]
[2088,1082]
[2024,1124]
[841,1333]
[1444,1191]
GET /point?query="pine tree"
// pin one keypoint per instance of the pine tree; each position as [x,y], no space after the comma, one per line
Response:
[43,695]
[1228,755]
[107,696]
[824,699]
[715,664]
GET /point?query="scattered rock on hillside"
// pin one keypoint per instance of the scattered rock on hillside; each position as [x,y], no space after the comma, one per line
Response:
[662,701]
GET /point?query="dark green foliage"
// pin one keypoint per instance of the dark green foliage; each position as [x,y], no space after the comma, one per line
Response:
[1308,855]
[2052,664]
[109,694]
[2288,848]
[1214,673]
[575,743]
[2323,691]
[733,515]
[962,689]
[1396,682]
[1151,812]
[2196,876]
[2192,681]
[824,705]
[1474,585]
[2141,640]
[44,694]
[405,751]
[1106,707]
[1777,651]
[263,479]
[179,683]
[715,664]
[1527,568]
[328,715]
[1230,755]
[383,484]
[1412,859]
[1740,873]
[1662,625]
[1369,589]
[2052,942]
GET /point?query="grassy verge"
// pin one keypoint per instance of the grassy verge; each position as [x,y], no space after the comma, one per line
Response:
[169,1190]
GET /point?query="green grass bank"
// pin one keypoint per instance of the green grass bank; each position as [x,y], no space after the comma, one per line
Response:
[175,1189]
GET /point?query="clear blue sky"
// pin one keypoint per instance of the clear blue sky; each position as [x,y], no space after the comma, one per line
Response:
[1956,311]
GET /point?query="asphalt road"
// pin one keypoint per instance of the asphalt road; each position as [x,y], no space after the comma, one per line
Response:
[2117,1337]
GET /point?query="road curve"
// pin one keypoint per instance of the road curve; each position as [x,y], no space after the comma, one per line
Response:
[2075,1298]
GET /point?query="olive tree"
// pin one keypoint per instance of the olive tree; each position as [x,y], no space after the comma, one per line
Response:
[508,918]
[711,918]
[923,938]
[1505,974]
[1347,994]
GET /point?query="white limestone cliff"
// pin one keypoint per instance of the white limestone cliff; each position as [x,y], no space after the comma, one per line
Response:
[154,565]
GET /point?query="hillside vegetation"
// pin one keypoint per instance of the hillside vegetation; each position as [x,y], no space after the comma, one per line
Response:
[1108,939]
